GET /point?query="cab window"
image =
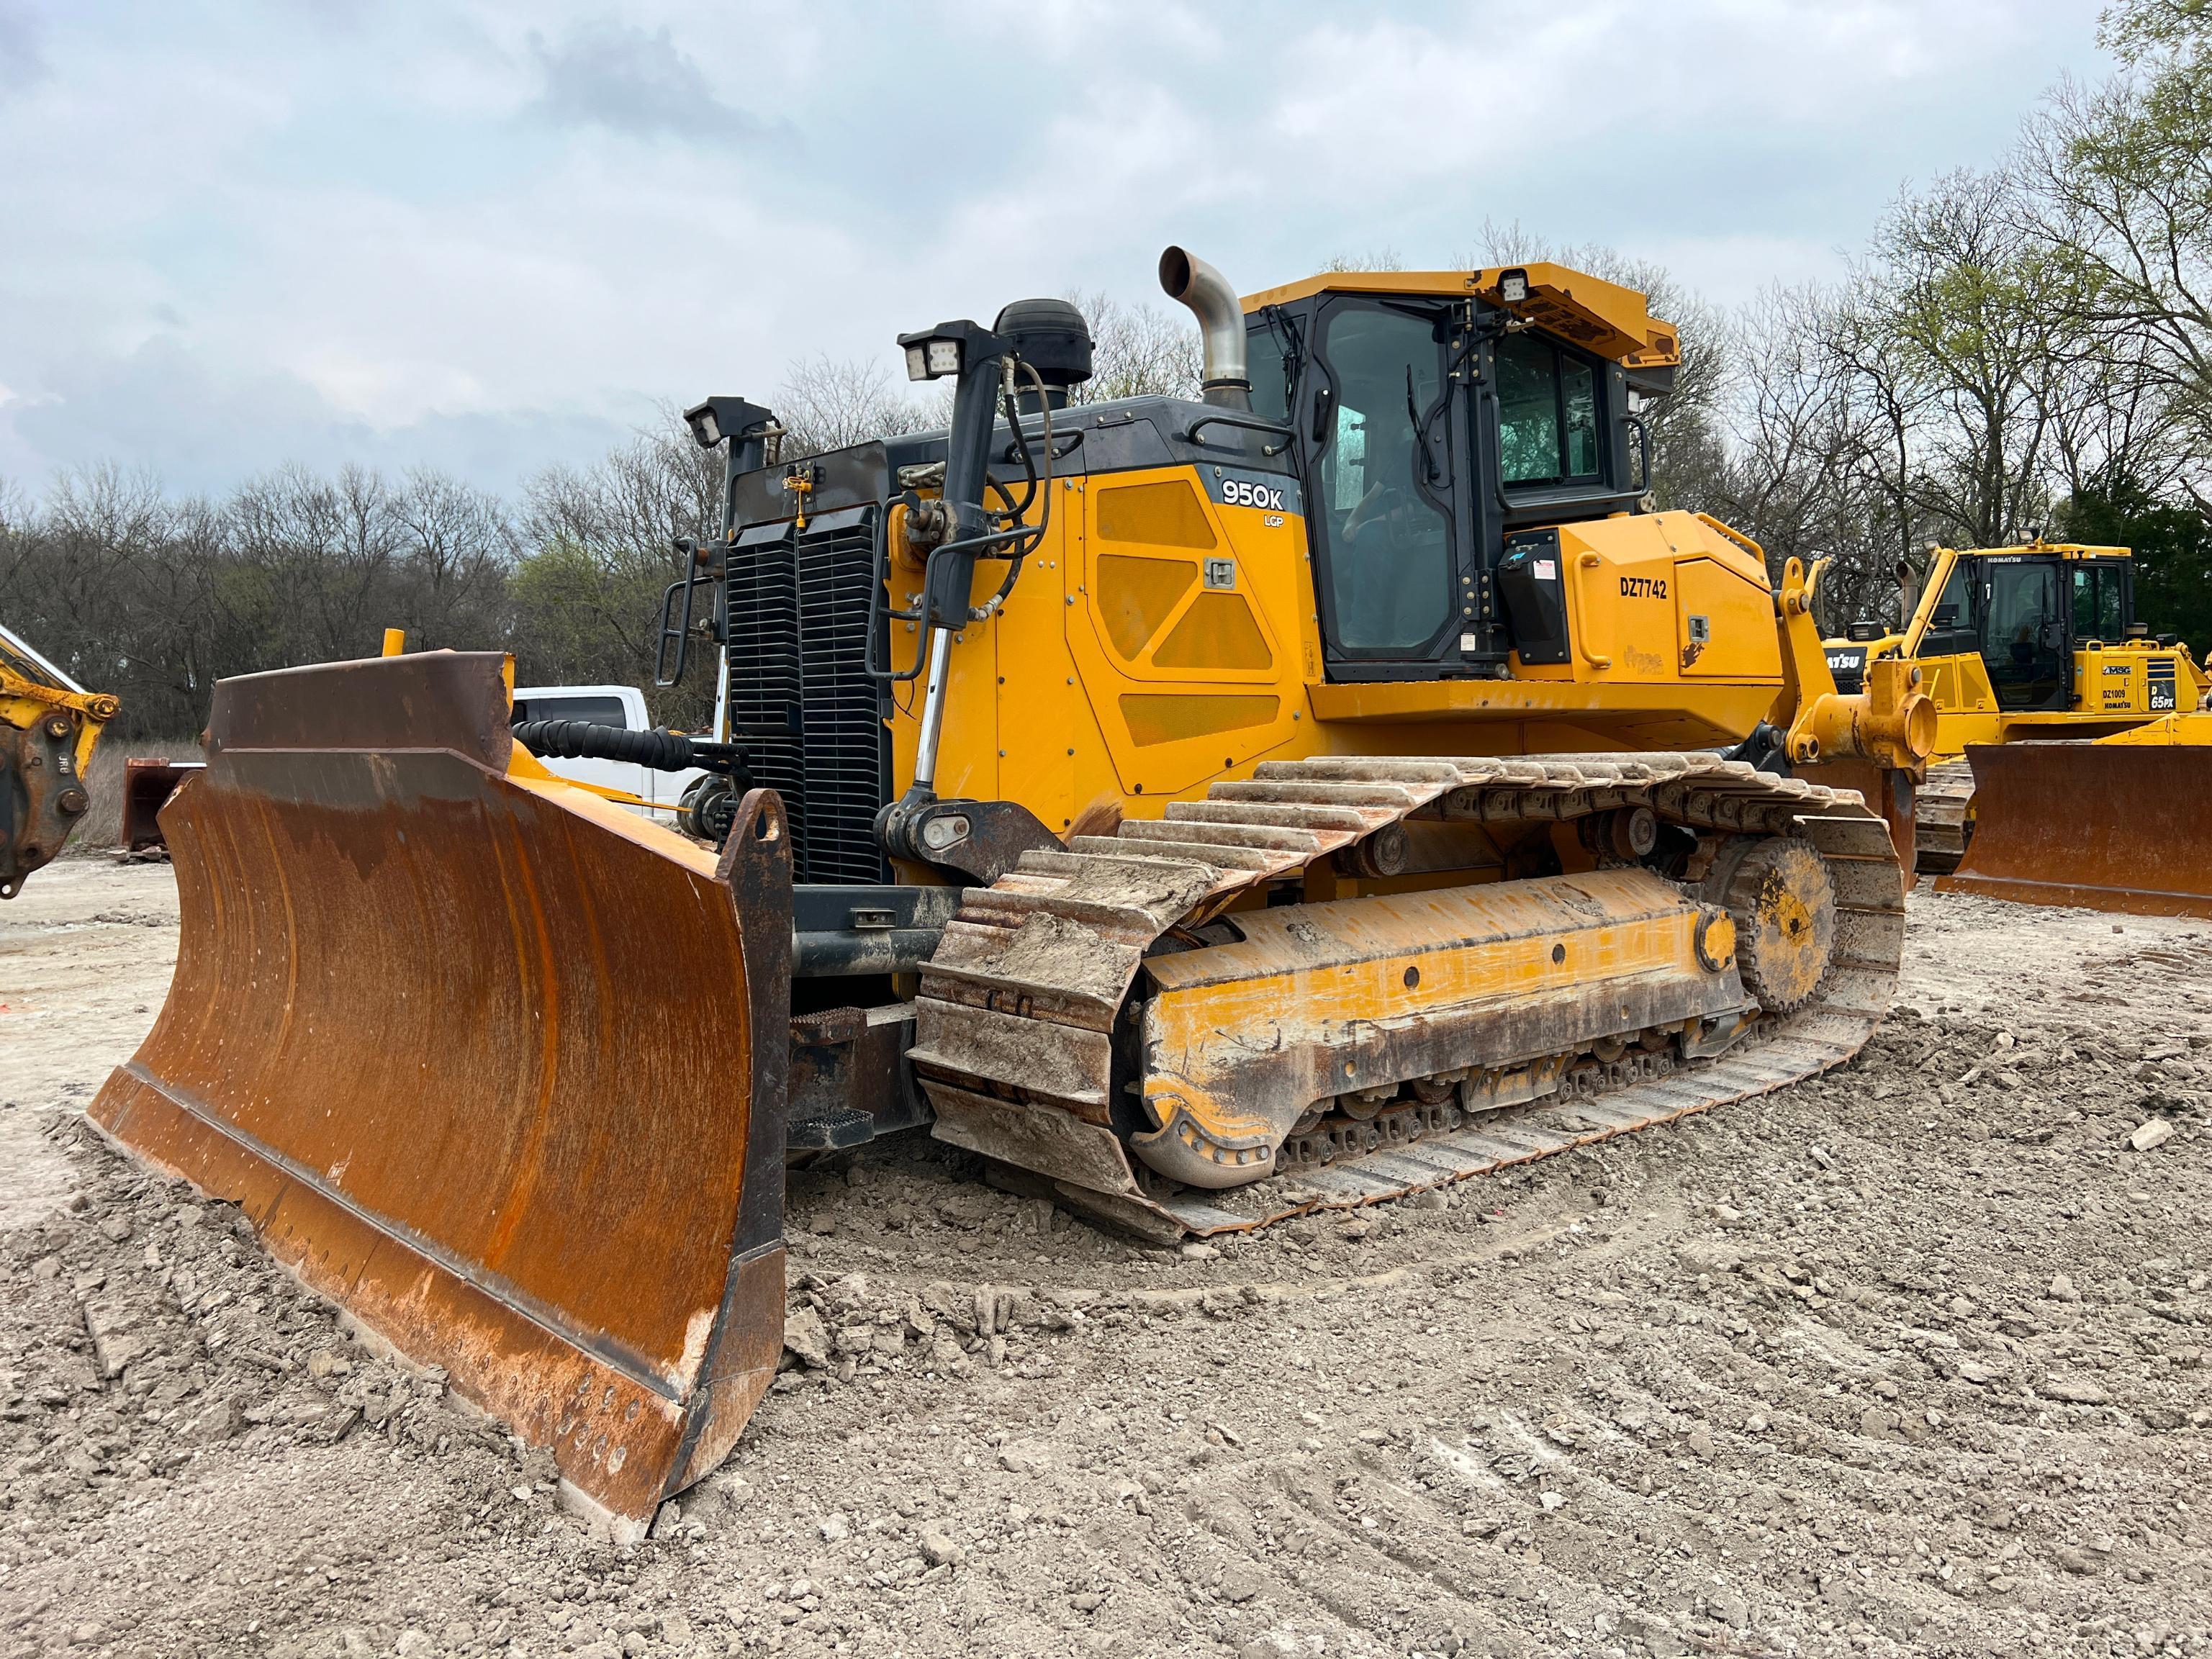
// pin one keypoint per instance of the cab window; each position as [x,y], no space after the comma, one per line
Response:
[1271,392]
[1950,628]
[1546,413]
[599,711]
[2100,603]
[2022,632]
[1389,551]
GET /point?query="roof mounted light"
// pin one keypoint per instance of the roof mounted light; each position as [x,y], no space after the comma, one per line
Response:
[719,418]
[933,353]
[1513,287]
[706,428]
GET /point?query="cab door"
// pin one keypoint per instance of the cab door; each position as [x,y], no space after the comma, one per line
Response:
[2026,644]
[1386,440]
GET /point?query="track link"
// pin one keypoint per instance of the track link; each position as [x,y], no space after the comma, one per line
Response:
[1015,1019]
[1939,815]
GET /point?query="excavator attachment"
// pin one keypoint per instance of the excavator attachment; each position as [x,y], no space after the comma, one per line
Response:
[495,1066]
[49,727]
[2114,824]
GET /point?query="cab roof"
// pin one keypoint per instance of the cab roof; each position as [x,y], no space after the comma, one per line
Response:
[1597,315]
[2063,550]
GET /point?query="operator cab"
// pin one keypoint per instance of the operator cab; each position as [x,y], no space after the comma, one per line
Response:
[1441,419]
[2025,613]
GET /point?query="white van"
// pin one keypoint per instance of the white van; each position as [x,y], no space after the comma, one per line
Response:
[621,707]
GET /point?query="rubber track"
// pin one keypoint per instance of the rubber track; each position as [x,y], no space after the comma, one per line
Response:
[1939,813]
[1019,1002]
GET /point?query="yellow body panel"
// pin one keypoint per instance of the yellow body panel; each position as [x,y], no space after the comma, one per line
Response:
[2190,731]
[2113,692]
[1123,673]
[1634,581]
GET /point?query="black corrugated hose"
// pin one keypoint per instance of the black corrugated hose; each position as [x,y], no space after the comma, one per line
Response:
[662,750]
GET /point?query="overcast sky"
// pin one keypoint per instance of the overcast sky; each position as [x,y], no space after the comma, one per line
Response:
[493,236]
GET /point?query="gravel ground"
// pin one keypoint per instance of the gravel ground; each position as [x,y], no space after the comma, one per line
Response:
[1910,1359]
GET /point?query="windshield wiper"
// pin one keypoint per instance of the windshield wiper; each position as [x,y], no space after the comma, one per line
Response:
[1432,472]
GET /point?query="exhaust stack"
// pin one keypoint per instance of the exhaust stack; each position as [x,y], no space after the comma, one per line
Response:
[1185,277]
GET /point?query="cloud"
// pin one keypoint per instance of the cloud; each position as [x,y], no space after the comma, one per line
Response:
[615,75]
[199,429]
[488,233]
[22,60]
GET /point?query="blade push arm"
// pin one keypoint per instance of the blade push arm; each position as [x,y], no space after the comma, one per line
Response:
[1891,723]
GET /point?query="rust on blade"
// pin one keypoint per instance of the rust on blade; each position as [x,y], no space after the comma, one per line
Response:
[478,1056]
[2099,826]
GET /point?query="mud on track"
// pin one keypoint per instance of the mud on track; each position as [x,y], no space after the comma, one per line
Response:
[1906,1360]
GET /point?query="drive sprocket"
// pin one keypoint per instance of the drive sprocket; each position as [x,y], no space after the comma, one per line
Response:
[1778,890]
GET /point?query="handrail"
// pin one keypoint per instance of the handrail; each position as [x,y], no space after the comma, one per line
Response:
[1576,627]
[1242,422]
[1734,535]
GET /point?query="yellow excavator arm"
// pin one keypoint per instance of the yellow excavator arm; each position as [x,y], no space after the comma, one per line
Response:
[49,727]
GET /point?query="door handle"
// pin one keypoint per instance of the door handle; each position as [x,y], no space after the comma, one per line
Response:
[1324,401]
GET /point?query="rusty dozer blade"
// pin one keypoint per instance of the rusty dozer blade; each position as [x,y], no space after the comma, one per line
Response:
[496,1067]
[2104,825]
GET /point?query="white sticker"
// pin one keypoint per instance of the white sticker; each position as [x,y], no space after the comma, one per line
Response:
[1547,570]
[1468,643]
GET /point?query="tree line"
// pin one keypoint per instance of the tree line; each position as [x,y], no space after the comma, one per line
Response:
[2018,352]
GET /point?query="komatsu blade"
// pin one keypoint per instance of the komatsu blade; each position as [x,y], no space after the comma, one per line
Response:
[495,1065]
[2119,826]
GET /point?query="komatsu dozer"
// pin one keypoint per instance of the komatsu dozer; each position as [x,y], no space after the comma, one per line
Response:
[2041,679]
[1205,810]
[49,727]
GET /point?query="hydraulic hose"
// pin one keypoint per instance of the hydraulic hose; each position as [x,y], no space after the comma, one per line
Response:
[662,750]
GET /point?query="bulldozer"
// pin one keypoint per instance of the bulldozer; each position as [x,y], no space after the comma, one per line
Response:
[2032,658]
[49,727]
[1206,810]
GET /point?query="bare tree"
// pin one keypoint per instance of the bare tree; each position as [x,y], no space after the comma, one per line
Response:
[828,402]
[1137,350]
[1382,259]
[2120,198]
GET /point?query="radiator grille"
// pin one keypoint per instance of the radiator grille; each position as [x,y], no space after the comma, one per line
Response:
[801,703]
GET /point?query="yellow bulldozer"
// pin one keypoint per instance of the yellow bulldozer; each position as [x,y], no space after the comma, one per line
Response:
[2067,766]
[1207,811]
[49,727]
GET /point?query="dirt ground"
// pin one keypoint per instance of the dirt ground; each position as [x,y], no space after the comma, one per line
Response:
[1910,1359]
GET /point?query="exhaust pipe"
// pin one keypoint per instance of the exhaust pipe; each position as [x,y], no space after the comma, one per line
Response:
[1188,279]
